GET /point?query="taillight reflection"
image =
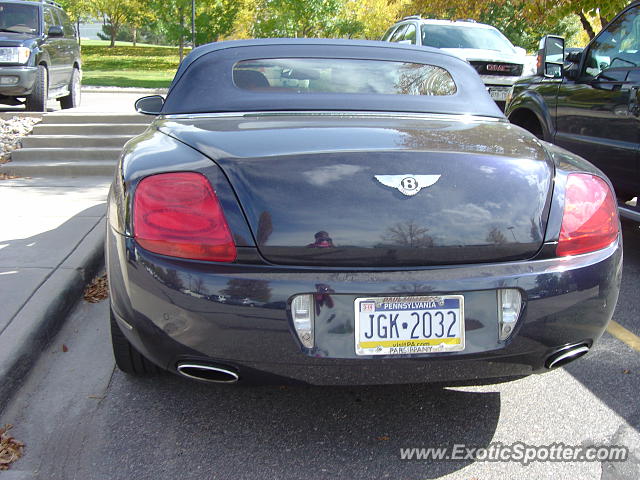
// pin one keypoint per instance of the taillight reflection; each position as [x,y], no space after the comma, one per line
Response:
[590,220]
[178,214]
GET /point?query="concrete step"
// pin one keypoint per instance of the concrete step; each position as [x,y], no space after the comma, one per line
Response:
[78,168]
[89,129]
[19,113]
[65,154]
[111,118]
[72,141]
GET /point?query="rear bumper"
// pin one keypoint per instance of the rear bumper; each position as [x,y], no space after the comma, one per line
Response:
[237,315]
[499,80]
[24,78]
[500,86]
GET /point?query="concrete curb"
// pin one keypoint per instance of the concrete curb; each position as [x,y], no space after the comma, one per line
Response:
[19,113]
[41,317]
[142,91]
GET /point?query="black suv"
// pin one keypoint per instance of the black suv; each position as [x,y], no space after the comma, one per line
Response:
[39,55]
[589,103]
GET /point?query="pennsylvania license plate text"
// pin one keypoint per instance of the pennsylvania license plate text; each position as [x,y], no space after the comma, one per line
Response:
[408,325]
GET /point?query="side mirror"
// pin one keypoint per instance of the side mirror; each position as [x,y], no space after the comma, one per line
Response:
[551,56]
[55,31]
[151,105]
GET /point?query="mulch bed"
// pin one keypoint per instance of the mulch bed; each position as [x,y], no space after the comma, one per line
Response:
[97,290]
[10,448]
[12,131]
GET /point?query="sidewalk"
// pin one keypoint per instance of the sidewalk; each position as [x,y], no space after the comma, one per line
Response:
[94,100]
[51,246]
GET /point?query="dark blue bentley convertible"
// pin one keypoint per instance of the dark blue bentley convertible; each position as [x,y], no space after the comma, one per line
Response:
[342,212]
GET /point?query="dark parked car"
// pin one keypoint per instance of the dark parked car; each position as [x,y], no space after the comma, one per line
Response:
[39,55]
[591,107]
[373,210]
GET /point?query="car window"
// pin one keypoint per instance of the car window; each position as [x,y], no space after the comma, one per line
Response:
[56,16]
[19,18]
[321,75]
[69,30]
[388,33]
[464,36]
[410,33]
[60,18]
[617,47]
[49,19]
[397,36]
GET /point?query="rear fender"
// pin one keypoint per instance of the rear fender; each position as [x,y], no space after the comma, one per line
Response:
[565,163]
[153,152]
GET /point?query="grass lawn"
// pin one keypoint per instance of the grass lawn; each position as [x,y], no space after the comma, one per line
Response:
[124,65]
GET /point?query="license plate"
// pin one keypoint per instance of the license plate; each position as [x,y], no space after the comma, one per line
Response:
[409,325]
[499,94]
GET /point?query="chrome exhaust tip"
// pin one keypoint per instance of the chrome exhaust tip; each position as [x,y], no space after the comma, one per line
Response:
[207,373]
[566,355]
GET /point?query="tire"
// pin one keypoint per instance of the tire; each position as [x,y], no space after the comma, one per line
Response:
[37,101]
[73,99]
[526,119]
[128,359]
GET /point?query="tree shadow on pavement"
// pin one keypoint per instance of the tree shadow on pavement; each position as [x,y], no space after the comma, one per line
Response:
[611,371]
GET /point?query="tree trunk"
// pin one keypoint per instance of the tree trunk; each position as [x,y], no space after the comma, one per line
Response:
[181,46]
[586,25]
[78,30]
[135,35]
[112,33]
[603,21]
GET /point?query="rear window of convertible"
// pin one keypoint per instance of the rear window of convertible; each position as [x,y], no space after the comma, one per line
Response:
[323,75]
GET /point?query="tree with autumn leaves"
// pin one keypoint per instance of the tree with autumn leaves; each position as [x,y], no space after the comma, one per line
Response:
[536,14]
[523,21]
[316,18]
[115,13]
[600,10]
[532,10]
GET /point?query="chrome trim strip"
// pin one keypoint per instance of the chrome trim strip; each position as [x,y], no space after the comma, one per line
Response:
[500,80]
[629,213]
[570,353]
[407,115]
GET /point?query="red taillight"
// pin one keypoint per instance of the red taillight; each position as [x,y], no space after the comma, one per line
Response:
[178,214]
[590,219]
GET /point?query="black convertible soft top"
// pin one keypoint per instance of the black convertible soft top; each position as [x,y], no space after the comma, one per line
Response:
[204,82]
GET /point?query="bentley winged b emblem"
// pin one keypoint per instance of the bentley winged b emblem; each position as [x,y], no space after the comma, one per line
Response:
[408,184]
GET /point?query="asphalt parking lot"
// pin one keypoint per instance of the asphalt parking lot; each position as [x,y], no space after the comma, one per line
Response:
[82,419]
